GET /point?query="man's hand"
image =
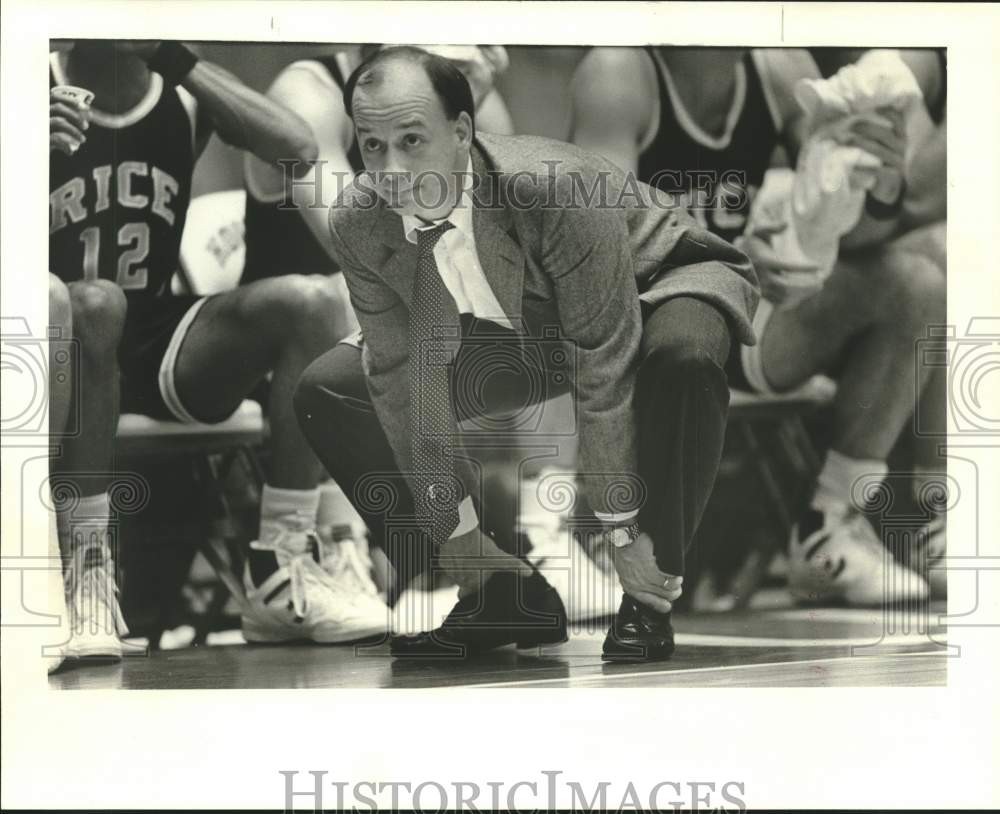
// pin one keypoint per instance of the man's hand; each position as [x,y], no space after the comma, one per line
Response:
[642,579]
[881,134]
[783,282]
[67,122]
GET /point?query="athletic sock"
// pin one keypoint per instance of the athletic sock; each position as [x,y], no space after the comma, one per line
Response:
[336,517]
[84,526]
[840,482]
[281,510]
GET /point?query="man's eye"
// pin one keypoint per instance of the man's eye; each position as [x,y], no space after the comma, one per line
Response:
[411,140]
[371,145]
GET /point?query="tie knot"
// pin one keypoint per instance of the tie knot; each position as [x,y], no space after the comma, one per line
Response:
[428,238]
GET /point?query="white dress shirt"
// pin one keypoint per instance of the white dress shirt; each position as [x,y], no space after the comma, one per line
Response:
[458,263]
[461,273]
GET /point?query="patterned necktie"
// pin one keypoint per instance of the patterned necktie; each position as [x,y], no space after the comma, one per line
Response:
[433,334]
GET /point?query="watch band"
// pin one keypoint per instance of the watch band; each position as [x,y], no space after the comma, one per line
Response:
[631,535]
[172,61]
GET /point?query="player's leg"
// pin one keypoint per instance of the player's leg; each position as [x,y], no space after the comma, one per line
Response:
[82,472]
[60,366]
[870,314]
[278,326]
[60,404]
[930,426]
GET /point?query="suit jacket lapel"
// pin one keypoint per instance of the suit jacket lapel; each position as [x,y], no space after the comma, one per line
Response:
[399,259]
[500,255]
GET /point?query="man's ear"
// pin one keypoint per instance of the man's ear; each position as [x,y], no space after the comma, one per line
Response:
[463,129]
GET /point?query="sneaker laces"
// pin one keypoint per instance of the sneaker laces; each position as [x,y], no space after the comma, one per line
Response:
[90,577]
[299,549]
[345,562]
[864,533]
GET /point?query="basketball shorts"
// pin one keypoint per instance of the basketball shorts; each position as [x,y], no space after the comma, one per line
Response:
[147,356]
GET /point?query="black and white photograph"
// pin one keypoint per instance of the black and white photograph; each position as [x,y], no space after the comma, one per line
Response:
[407,376]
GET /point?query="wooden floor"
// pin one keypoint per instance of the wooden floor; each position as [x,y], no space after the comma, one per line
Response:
[773,647]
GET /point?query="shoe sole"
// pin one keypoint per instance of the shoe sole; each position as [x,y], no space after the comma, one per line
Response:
[95,654]
[629,658]
[263,636]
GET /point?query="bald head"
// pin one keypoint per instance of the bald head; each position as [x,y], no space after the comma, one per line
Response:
[414,142]
[446,81]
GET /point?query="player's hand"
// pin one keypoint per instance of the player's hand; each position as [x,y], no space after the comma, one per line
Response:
[782,282]
[68,122]
[642,579]
[882,135]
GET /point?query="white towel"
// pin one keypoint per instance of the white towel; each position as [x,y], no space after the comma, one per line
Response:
[819,203]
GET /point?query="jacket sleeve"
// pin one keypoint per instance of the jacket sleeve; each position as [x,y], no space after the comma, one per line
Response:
[384,322]
[586,252]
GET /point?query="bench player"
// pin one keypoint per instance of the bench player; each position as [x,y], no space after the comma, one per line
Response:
[120,184]
[708,121]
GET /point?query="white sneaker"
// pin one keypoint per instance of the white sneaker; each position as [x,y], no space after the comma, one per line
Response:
[301,601]
[585,581]
[350,568]
[96,621]
[423,605]
[841,559]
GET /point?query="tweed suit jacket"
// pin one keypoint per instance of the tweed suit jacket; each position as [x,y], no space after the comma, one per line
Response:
[564,239]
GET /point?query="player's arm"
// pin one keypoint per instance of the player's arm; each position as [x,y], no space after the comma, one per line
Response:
[492,115]
[779,70]
[610,98]
[318,103]
[240,116]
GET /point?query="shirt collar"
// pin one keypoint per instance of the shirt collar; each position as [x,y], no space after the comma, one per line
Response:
[460,217]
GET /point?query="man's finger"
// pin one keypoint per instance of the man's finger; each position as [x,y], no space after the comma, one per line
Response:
[763,255]
[766,230]
[70,113]
[64,143]
[879,135]
[60,125]
[651,601]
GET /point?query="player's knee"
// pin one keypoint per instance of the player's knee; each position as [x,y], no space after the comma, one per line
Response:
[919,290]
[60,306]
[307,301]
[98,309]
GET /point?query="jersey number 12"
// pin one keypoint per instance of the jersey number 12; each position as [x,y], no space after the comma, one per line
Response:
[134,236]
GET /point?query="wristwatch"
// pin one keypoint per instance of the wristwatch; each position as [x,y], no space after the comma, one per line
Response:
[621,536]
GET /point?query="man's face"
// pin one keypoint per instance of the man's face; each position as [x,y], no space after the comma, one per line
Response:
[408,145]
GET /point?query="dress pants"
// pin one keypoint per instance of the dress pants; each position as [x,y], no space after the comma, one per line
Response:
[681,402]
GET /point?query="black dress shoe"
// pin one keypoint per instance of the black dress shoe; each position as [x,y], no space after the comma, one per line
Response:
[638,633]
[511,608]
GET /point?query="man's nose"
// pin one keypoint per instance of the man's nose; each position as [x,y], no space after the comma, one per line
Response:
[395,169]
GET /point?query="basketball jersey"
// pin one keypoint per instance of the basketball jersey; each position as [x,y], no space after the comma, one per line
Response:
[117,206]
[278,240]
[714,177]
